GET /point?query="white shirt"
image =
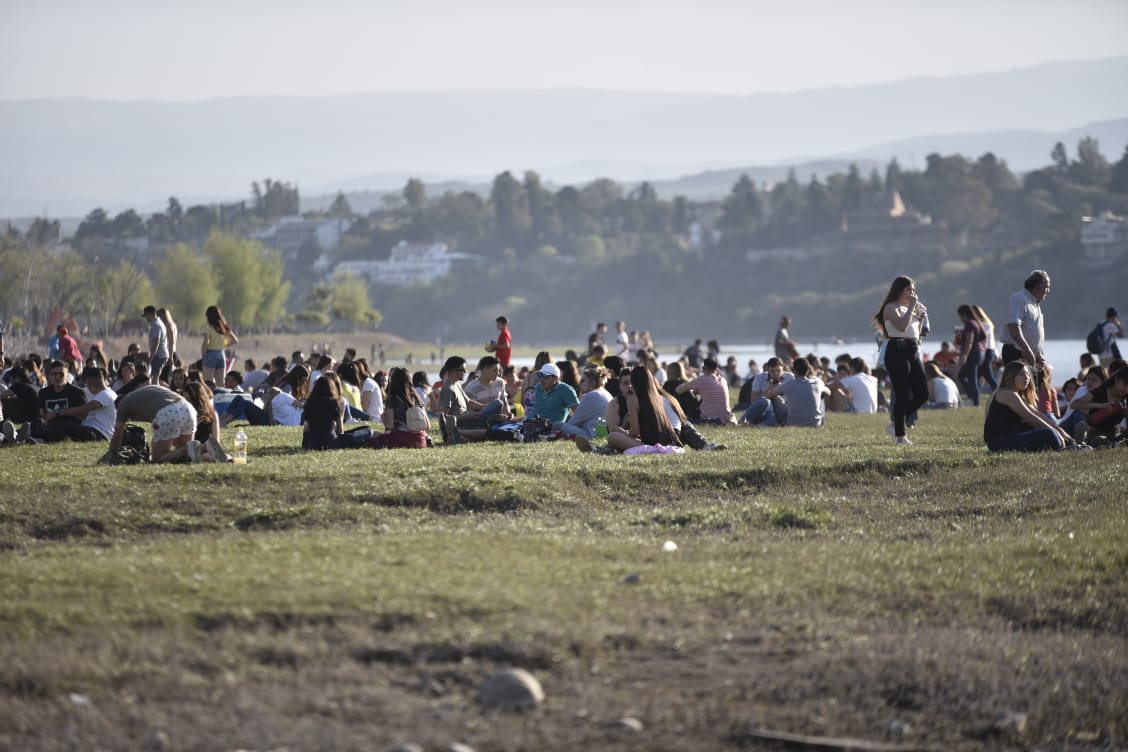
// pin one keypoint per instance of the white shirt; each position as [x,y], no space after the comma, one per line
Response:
[1025,310]
[284,411]
[624,343]
[912,332]
[945,392]
[371,398]
[1109,333]
[863,391]
[103,419]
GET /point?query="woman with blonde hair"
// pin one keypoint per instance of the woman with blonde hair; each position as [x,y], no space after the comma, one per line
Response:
[217,339]
[899,319]
[1013,424]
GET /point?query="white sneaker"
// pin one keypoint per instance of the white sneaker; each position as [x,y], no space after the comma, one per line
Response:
[891,430]
[9,431]
[902,441]
[193,451]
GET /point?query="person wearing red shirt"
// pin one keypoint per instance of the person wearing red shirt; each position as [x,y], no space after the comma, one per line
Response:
[502,347]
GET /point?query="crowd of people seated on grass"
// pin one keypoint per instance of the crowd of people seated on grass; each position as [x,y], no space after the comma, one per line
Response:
[637,402]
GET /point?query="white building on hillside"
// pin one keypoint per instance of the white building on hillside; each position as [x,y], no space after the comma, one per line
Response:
[291,234]
[1105,238]
[409,264]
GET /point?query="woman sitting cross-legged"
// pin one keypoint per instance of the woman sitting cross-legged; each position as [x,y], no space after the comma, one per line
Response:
[323,422]
[646,410]
[401,396]
[1013,424]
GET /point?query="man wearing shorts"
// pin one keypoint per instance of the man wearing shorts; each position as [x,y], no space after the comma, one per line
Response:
[172,418]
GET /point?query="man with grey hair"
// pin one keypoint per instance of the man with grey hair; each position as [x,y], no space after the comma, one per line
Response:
[1026,333]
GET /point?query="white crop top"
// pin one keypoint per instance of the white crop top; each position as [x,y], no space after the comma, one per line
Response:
[913,332]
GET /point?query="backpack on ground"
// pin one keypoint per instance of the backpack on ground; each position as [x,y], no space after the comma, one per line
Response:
[1095,342]
[134,446]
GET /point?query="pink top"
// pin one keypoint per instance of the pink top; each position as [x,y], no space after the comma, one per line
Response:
[714,393]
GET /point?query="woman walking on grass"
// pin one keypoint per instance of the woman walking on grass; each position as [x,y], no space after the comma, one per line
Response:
[899,319]
[217,339]
[987,367]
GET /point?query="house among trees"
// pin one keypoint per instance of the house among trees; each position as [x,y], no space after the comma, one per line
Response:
[1105,239]
[294,235]
[883,214]
[409,264]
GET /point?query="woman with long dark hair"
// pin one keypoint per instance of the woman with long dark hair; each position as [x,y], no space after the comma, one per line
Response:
[217,339]
[401,397]
[648,421]
[990,349]
[973,344]
[898,319]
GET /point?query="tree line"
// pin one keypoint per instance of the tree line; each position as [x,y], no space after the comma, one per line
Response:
[196,256]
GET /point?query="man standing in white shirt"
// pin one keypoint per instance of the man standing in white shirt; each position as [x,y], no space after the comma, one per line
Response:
[1026,332]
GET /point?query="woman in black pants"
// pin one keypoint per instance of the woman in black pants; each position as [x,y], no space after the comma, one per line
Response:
[899,320]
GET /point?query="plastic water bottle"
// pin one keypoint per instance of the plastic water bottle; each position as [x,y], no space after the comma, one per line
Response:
[240,456]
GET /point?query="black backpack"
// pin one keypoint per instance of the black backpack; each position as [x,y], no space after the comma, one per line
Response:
[134,447]
[1095,342]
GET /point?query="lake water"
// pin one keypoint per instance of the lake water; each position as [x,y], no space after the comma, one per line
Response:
[1062,354]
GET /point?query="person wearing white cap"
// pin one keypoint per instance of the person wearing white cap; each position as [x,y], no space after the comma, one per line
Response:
[554,399]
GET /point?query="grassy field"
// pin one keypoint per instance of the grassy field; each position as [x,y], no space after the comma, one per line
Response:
[825,583]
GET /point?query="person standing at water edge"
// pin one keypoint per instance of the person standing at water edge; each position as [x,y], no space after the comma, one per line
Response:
[1109,332]
[502,347]
[1026,332]
[899,320]
[785,348]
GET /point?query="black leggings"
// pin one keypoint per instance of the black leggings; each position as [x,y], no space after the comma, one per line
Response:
[906,374]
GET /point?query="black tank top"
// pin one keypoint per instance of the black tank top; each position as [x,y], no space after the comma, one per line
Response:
[1001,421]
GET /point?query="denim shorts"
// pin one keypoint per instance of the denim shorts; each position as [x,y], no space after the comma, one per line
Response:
[215,359]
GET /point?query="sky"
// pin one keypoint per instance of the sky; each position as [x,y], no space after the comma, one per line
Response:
[181,50]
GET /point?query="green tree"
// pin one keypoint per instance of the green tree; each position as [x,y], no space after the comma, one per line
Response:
[852,190]
[1091,168]
[511,212]
[185,282]
[1118,178]
[893,180]
[123,290]
[414,194]
[349,299]
[42,232]
[340,207]
[249,278]
[741,210]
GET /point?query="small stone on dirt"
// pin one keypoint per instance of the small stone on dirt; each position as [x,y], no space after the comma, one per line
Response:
[460,747]
[1010,723]
[631,579]
[515,689]
[626,724]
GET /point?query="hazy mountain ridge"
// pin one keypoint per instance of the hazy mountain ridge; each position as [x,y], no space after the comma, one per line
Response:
[68,155]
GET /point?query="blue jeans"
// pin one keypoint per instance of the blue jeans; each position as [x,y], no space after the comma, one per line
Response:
[242,408]
[986,371]
[969,375]
[1036,440]
[759,414]
[490,412]
[1075,418]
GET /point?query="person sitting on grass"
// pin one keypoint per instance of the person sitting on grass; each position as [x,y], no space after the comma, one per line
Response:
[942,391]
[1103,409]
[593,405]
[647,421]
[805,395]
[401,396]
[323,421]
[1012,423]
[172,418]
[554,399]
[714,392]
[57,418]
[689,401]
[285,402]
[764,410]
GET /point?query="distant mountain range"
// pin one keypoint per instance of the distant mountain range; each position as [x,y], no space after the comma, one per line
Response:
[66,156]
